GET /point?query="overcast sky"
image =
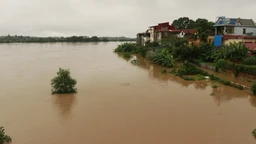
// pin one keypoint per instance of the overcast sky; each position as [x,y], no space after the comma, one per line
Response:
[109,17]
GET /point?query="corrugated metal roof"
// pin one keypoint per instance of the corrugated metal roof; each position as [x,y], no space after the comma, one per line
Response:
[248,22]
[234,21]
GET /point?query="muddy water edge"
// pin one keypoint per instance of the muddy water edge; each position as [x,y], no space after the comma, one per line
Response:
[116,103]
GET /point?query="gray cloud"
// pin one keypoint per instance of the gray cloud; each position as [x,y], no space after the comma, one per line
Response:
[108,17]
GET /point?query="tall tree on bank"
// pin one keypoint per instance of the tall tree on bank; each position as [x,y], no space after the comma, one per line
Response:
[184,23]
[203,26]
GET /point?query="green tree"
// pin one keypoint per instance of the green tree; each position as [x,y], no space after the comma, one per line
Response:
[95,39]
[3,137]
[204,28]
[184,23]
[63,82]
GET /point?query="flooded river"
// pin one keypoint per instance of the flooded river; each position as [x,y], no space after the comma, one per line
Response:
[116,103]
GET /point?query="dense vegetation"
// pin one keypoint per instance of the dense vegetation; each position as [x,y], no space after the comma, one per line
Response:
[178,50]
[63,83]
[24,39]
[3,137]
[249,61]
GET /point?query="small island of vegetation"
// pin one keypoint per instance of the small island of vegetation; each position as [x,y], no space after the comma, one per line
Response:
[63,82]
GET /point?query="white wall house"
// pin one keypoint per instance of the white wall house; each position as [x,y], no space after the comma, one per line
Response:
[245,30]
[152,34]
[235,26]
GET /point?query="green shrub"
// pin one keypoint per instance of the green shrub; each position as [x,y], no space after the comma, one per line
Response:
[254,133]
[127,55]
[188,78]
[253,88]
[214,78]
[63,82]
[234,51]
[225,82]
[188,68]
[163,58]
[221,63]
[214,86]
[249,61]
[207,50]
[126,47]
[142,51]
[200,77]
[3,137]
[153,44]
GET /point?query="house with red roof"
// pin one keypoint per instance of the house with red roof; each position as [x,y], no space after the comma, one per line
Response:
[161,31]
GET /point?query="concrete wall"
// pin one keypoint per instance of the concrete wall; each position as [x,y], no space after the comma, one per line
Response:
[227,42]
[146,39]
[239,30]
[152,35]
[159,37]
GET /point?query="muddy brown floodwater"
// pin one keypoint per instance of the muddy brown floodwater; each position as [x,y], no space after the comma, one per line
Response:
[116,103]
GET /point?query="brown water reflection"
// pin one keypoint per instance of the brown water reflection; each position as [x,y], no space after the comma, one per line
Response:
[222,94]
[65,103]
[117,102]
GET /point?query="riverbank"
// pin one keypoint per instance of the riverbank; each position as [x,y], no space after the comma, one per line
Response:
[165,55]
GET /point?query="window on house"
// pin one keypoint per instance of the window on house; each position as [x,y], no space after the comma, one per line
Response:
[244,31]
[230,30]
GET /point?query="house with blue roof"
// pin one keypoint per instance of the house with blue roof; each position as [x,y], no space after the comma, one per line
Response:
[234,30]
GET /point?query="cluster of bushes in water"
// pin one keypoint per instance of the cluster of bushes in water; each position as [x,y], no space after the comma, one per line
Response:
[63,82]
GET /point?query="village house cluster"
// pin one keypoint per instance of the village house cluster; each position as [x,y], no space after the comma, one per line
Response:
[227,30]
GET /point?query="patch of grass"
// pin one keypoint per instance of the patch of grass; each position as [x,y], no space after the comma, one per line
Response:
[200,77]
[249,80]
[127,55]
[254,133]
[212,94]
[214,86]
[164,71]
[188,78]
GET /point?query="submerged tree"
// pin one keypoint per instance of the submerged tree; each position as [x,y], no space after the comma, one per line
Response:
[4,138]
[63,82]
